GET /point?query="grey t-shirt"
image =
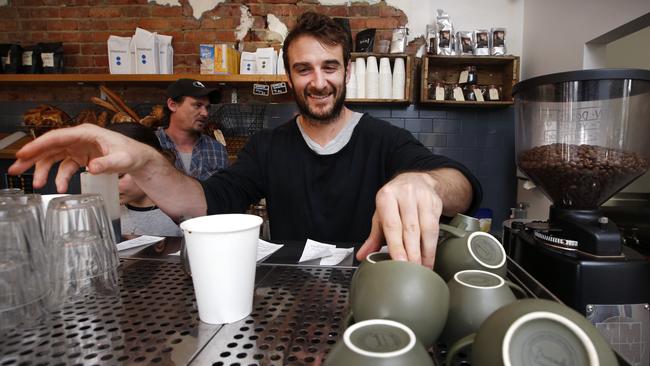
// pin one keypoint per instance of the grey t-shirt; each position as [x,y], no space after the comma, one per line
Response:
[186,158]
[147,221]
[337,142]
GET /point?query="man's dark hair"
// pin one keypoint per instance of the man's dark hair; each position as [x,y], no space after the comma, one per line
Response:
[324,29]
[167,112]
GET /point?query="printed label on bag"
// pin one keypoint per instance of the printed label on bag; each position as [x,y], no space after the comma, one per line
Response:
[27,58]
[48,59]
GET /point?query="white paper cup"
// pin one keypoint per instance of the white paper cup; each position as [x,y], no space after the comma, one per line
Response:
[222,250]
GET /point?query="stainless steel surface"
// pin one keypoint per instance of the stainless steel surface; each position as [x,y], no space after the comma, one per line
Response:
[625,327]
[153,321]
[296,320]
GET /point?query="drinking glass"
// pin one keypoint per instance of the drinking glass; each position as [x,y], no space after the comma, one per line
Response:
[23,288]
[85,256]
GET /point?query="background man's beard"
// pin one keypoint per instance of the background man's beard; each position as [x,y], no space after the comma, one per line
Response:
[322,118]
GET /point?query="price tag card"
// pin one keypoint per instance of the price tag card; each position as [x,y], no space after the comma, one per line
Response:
[279,88]
[458,95]
[479,95]
[261,89]
[440,93]
[494,94]
[463,77]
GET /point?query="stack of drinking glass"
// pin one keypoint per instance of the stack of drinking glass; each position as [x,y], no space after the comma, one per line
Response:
[53,251]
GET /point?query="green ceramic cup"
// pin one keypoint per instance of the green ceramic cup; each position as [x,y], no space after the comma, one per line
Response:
[477,250]
[404,292]
[461,225]
[378,342]
[536,332]
[464,222]
[370,259]
[473,296]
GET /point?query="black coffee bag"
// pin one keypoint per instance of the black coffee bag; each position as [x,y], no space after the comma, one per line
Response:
[31,60]
[52,57]
[365,41]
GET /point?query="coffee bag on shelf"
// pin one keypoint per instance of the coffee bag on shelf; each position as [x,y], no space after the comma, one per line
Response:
[119,55]
[31,60]
[498,38]
[445,33]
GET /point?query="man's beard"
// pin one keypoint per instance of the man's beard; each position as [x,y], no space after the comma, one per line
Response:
[327,116]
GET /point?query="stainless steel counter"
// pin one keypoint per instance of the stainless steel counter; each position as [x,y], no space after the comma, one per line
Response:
[297,318]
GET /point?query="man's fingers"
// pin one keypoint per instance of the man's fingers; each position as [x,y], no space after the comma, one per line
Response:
[41,171]
[374,241]
[391,224]
[429,214]
[67,169]
[408,209]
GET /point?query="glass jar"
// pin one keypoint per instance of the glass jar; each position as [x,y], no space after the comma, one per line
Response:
[469,91]
[471,78]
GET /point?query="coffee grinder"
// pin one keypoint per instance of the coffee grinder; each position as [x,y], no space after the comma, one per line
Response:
[581,137]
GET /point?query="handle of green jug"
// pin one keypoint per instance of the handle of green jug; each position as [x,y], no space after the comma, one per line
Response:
[452,230]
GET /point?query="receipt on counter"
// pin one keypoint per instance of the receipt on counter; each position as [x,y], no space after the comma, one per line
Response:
[329,254]
[138,242]
[314,250]
[337,256]
[264,249]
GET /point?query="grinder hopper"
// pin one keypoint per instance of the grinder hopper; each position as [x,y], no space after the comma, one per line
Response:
[581,137]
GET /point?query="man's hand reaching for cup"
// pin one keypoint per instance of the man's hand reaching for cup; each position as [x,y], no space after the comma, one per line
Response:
[408,210]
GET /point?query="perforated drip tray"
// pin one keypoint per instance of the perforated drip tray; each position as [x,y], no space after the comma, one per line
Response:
[153,321]
[297,318]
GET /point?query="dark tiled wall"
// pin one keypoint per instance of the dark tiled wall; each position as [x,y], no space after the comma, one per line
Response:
[481,139]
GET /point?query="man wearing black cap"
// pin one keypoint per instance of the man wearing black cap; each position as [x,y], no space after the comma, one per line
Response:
[186,111]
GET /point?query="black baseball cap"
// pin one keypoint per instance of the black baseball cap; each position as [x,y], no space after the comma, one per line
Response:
[191,88]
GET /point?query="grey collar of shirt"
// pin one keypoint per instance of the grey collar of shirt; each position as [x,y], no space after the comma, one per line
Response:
[338,142]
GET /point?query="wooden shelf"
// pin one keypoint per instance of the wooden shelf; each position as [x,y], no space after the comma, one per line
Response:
[502,71]
[375,101]
[96,79]
[453,103]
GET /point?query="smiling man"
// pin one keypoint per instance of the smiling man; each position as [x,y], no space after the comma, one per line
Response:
[330,174]
[186,110]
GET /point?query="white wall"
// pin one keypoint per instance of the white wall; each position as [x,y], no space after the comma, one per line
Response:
[556,31]
[632,51]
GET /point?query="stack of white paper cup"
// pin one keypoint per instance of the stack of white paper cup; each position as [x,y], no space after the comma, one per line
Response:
[361,77]
[372,78]
[399,78]
[351,86]
[385,79]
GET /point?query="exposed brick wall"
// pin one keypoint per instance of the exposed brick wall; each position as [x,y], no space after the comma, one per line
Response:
[84,25]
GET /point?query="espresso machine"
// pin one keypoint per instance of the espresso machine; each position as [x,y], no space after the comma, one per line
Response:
[581,137]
